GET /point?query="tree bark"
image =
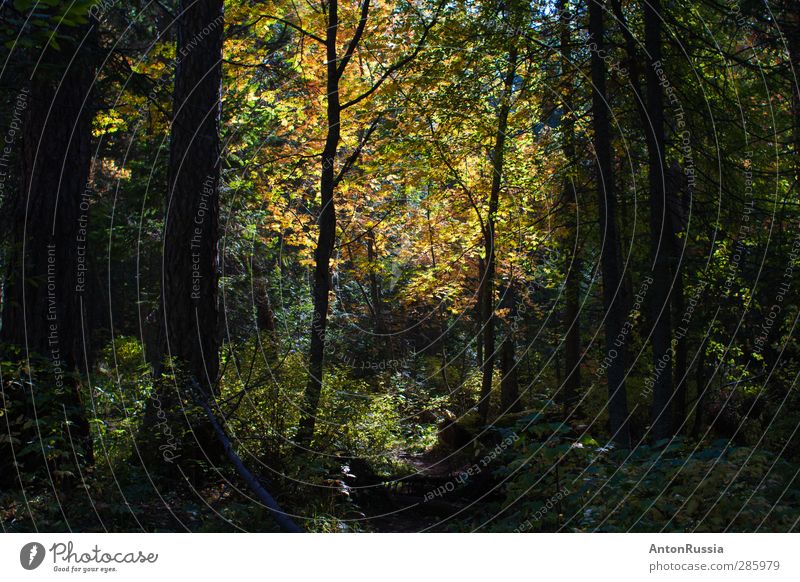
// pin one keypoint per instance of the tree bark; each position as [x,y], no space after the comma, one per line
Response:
[487,294]
[326,238]
[509,385]
[281,517]
[676,185]
[701,389]
[681,352]
[791,30]
[612,281]
[45,286]
[190,268]
[188,337]
[479,315]
[572,352]
[660,231]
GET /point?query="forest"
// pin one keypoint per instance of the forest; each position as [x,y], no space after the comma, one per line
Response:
[399,265]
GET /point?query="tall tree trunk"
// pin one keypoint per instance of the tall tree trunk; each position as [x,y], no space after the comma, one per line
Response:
[701,389]
[479,314]
[681,353]
[612,282]
[791,30]
[660,231]
[509,385]
[190,268]
[188,332]
[488,295]
[572,352]
[788,23]
[677,221]
[326,238]
[45,286]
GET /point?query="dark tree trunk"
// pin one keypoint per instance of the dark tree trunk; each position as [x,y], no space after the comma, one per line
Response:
[612,281]
[188,334]
[572,352]
[479,314]
[789,25]
[660,231]
[509,385]
[336,67]
[46,282]
[487,292]
[701,389]
[572,323]
[791,30]
[326,238]
[190,268]
[677,185]
[681,353]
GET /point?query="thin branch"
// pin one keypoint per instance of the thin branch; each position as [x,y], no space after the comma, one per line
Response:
[351,159]
[458,179]
[351,46]
[297,27]
[399,64]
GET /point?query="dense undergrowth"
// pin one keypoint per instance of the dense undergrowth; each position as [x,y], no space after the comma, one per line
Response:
[538,470]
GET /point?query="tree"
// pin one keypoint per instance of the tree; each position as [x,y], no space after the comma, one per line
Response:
[189,334]
[660,229]
[327,216]
[612,280]
[572,315]
[43,298]
[487,293]
[335,67]
[191,222]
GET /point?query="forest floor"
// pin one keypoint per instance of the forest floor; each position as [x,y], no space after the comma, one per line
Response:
[427,497]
